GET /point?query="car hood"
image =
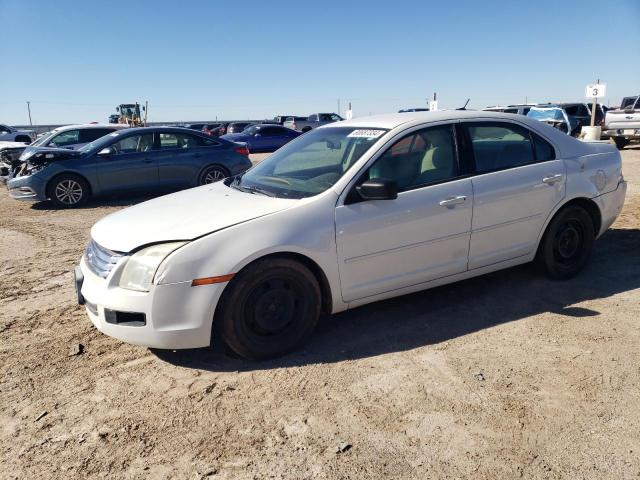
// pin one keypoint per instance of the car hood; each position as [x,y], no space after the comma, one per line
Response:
[36,155]
[4,145]
[185,215]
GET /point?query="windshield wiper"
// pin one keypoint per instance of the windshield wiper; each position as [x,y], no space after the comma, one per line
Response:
[251,189]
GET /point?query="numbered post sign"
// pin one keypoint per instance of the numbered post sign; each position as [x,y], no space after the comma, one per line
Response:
[596,90]
[433,105]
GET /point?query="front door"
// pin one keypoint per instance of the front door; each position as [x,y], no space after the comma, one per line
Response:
[131,164]
[422,235]
[518,182]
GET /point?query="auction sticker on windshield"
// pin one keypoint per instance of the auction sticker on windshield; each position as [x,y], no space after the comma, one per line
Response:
[365,133]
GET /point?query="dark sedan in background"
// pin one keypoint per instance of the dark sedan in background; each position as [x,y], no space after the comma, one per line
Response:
[263,137]
[134,160]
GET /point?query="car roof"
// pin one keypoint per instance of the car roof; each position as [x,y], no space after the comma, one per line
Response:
[84,126]
[393,120]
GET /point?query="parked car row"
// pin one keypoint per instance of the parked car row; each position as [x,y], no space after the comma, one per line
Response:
[566,117]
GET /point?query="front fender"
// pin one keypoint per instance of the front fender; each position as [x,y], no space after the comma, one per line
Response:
[308,229]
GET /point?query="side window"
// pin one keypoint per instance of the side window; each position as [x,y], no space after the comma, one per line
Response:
[544,150]
[335,118]
[70,137]
[423,157]
[91,134]
[4,129]
[133,144]
[497,146]
[270,131]
[313,118]
[510,110]
[178,140]
[325,117]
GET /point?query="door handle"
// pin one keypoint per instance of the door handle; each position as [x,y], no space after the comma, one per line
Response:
[550,180]
[453,201]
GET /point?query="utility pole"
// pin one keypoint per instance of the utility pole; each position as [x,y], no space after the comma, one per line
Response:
[29,110]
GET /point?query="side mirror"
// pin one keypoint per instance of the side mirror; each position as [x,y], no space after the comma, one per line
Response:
[105,151]
[628,109]
[378,189]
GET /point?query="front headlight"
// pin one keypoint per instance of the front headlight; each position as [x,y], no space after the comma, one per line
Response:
[141,266]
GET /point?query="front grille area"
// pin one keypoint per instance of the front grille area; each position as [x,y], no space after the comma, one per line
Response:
[100,260]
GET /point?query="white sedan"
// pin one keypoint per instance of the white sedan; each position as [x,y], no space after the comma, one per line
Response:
[345,215]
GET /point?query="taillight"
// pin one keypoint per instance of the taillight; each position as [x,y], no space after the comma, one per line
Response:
[242,150]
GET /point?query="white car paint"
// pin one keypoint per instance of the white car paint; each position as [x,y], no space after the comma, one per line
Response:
[366,251]
[9,134]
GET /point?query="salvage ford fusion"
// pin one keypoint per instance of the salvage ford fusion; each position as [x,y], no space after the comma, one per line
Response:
[346,215]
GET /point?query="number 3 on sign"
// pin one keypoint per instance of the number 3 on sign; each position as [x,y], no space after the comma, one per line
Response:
[595,91]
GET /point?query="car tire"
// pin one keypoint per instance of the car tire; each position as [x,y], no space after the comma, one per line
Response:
[268,308]
[620,142]
[567,243]
[68,191]
[212,174]
[306,129]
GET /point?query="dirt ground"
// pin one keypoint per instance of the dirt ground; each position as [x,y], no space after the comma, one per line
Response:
[509,375]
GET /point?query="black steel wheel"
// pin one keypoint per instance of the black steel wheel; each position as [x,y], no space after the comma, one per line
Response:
[620,142]
[268,308]
[567,243]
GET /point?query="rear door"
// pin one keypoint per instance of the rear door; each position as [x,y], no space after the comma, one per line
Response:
[130,165]
[517,183]
[181,157]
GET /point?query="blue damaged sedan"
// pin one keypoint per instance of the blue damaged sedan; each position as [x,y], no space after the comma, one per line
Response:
[134,161]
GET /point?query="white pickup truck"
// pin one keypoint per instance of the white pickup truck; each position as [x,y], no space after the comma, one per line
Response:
[10,134]
[623,124]
[312,121]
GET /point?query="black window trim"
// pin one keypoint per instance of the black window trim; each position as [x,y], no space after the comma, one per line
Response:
[469,154]
[353,197]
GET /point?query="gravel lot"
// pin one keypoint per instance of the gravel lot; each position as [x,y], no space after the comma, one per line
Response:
[504,376]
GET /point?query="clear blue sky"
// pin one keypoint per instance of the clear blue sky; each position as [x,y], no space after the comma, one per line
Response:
[195,60]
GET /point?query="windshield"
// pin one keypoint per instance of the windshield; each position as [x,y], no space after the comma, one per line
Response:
[44,138]
[553,114]
[310,164]
[99,144]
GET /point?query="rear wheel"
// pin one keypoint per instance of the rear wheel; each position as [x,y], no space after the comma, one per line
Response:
[566,245]
[620,142]
[269,308]
[212,174]
[68,191]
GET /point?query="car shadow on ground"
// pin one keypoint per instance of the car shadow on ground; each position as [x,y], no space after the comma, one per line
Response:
[443,313]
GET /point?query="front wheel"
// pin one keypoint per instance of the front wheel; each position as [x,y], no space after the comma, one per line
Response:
[269,308]
[212,174]
[68,191]
[566,245]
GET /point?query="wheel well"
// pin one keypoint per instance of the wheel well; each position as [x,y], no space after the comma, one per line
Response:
[591,208]
[58,175]
[325,289]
